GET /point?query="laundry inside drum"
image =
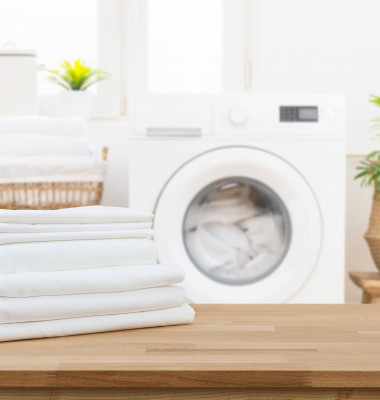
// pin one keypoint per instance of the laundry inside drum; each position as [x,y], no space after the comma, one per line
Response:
[237,231]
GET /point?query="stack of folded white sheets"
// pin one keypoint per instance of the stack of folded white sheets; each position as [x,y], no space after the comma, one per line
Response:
[43,149]
[84,270]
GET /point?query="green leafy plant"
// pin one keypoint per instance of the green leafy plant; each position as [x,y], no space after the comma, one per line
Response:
[369,168]
[77,75]
[376,126]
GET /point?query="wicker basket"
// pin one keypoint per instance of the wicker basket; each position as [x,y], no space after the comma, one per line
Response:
[51,195]
[372,236]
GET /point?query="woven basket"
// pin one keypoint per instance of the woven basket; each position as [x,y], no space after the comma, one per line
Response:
[51,195]
[372,236]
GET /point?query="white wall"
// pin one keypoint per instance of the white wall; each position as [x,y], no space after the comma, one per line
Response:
[327,46]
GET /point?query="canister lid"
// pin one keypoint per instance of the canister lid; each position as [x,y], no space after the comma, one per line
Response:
[11,49]
[17,52]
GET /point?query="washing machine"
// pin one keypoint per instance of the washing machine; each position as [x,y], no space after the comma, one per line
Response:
[248,192]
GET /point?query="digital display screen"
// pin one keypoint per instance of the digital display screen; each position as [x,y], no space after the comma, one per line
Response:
[308,114]
[298,114]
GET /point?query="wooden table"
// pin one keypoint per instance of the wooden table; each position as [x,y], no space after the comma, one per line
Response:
[230,352]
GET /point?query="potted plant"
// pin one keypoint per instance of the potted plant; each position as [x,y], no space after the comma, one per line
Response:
[369,173]
[76,78]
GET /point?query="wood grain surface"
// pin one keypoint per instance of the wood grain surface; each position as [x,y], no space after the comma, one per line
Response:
[228,346]
[188,394]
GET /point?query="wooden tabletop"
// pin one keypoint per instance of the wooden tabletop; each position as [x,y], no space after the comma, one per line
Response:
[227,346]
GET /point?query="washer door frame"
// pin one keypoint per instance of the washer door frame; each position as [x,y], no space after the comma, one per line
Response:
[252,163]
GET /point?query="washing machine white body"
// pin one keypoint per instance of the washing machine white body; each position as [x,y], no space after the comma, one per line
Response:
[181,145]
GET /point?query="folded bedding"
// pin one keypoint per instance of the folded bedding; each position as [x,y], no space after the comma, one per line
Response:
[75,254]
[34,145]
[84,270]
[45,228]
[8,238]
[48,168]
[95,280]
[183,314]
[45,308]
[78,215]
[32,125]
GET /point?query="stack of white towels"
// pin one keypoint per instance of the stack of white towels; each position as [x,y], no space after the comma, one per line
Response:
[43,149]
[84,270]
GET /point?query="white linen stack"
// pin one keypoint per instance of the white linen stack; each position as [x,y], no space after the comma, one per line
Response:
[84,270]
[43,149]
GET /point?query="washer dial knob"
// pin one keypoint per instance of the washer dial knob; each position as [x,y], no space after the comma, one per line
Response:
[238,116]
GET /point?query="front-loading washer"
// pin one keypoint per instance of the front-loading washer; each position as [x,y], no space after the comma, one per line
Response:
[248,193]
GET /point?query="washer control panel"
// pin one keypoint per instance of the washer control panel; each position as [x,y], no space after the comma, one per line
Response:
[239,115]
[298,114]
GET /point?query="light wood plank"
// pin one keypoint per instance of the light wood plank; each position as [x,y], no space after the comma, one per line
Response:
[228,346]
[188,394]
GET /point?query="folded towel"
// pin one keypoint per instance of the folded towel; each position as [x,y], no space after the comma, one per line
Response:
[45,308]
[77,215]
[96,280]
[34,145]
[46,168]
[44,228]
[76,326]
[31,125]
[75,254]
[7,238]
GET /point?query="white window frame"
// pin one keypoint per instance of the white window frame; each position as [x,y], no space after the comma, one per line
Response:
[134,61]
[122,51]
[241,21]
[240,18]
[107,101]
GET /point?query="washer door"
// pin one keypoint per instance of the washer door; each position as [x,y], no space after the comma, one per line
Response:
[243,223]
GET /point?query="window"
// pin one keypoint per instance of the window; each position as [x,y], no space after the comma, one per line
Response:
[67,29]
[55,32]
[185,45]
[157,46]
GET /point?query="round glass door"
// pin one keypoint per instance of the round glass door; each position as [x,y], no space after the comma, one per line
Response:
[236,230]
[242,222]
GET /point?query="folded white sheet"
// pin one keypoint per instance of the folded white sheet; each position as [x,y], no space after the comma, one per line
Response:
[44,228]
[75,254]
[96,280]
[7,238]
[32,125]
[78,215]
[76,326]
[45,308]
[46,168]
[34,145]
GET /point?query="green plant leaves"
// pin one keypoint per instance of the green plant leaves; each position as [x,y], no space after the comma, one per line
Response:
[76,76]
[369,168]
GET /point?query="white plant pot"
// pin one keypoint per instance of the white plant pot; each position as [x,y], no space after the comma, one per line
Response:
[76,103]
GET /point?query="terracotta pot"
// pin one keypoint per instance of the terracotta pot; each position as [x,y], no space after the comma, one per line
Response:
[372,236]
